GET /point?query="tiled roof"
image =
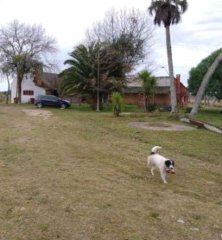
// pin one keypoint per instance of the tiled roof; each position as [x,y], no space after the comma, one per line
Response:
[47,80]
[133,81]
[50,80]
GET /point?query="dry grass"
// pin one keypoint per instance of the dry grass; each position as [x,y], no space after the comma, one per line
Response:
[82,175]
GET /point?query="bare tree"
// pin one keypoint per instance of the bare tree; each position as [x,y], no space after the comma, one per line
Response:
[131,31]
[22,48]
[204,83]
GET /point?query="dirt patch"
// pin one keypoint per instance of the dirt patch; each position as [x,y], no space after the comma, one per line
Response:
[161,126]
[37,112]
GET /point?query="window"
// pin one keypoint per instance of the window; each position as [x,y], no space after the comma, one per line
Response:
[28,92]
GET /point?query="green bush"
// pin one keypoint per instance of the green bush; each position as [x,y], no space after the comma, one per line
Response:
[117,101]
[151,107]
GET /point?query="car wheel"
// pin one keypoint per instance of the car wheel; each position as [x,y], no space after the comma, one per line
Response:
[39,105]
[63,106]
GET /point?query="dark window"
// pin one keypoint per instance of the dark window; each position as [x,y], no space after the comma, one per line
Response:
[28,92]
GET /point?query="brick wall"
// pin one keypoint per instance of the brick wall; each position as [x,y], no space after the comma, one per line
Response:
[138,99]
[162,99]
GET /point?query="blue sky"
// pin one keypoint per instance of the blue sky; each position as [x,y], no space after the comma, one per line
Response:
[194,38]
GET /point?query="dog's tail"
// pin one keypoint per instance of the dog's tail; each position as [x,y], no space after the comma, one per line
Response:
[154,149]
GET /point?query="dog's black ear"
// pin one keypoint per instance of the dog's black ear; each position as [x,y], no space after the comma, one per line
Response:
[168,163]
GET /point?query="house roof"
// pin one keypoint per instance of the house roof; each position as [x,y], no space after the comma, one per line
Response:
[50,80]
[47,80]
[163,81]
[134,85]
[133,81]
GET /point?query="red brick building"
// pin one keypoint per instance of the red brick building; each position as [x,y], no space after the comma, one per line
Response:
[133,93]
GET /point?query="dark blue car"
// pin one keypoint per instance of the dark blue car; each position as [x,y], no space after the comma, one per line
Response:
[51,101]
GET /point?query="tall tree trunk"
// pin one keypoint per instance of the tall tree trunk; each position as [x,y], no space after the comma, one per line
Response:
[98,86]
[146,102]
[204,84]
[173,96]
[97,100]
[19,88]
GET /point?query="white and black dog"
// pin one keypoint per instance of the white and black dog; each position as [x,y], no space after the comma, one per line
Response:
[165,165]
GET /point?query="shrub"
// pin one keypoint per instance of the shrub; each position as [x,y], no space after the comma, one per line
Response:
[151,107]
[117,100]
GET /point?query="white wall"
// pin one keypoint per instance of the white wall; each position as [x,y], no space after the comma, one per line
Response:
[13,90]
[27,84]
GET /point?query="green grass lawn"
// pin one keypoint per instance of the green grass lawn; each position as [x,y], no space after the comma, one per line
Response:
[107,108]
[213,116]
[82,175]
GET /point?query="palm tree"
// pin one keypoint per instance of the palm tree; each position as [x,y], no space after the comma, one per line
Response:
[168,12]
[80,75]
[93,71]
[149,84]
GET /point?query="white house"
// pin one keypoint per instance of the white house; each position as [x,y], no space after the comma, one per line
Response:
[42,83]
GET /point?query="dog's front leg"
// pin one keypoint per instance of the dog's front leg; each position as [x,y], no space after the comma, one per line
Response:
[152,170]
[163,176]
